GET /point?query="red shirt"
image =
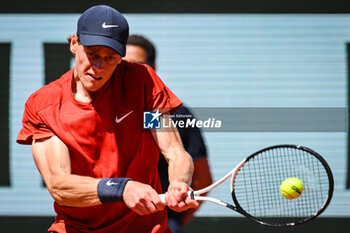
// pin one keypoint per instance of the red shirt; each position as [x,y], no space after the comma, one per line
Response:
[101,145]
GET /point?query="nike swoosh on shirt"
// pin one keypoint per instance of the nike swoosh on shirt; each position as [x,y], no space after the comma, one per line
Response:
[104,25]
[118,120]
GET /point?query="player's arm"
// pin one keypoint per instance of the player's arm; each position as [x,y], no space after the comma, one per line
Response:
[51,156]
[180,168]
[52,159]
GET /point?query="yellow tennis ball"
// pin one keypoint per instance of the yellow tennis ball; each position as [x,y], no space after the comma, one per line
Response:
[292,188]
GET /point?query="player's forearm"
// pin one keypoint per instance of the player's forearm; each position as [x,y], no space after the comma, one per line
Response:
[179,161]
[52,158]
[181,167]
[74,190]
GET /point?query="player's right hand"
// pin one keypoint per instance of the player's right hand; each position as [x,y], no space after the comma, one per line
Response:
[142,198]
[177,199]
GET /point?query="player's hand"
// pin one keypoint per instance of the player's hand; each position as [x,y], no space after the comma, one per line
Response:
[177,199]
[141,198]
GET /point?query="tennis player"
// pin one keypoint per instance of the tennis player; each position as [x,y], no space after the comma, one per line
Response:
[140,49]
[88,141]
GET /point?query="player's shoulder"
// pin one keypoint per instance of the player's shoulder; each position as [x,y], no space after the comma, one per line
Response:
[48,94]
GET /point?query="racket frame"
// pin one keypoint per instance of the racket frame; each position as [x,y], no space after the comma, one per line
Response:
[237,207]
[309,151]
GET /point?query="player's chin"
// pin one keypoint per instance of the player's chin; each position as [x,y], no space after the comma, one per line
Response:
[93,86]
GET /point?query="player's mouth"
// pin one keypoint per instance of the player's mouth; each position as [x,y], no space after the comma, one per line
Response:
[96,78]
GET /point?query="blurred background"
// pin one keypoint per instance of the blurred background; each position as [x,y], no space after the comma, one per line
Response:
[232,54]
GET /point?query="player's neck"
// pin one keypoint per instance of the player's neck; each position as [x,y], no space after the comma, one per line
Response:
[82,96]
[80,93]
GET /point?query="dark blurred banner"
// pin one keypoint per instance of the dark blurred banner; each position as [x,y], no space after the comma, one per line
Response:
[260,120]
[181,6]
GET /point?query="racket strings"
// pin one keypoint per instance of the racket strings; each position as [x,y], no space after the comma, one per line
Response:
[257,185]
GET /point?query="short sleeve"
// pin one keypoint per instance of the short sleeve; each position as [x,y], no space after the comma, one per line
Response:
[159,96]
[32,127]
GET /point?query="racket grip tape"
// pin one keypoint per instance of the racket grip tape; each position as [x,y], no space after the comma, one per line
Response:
[189,193]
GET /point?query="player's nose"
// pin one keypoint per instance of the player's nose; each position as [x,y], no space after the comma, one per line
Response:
[98,63]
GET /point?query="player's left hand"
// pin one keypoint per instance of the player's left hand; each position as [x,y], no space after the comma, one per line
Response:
[177,199]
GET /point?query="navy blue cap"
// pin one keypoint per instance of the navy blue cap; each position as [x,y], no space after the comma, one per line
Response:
[103,25]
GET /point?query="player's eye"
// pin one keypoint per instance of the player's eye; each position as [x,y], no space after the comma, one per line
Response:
[111,59]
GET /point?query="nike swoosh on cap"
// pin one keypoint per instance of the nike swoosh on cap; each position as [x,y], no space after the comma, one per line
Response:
[104,25]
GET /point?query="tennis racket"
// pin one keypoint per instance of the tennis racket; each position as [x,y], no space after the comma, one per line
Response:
[255,186]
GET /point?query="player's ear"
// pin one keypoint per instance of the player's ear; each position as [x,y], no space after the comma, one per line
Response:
[74,43]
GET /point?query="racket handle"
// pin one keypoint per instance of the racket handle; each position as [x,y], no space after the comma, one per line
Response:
[189,193]
[162,198]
